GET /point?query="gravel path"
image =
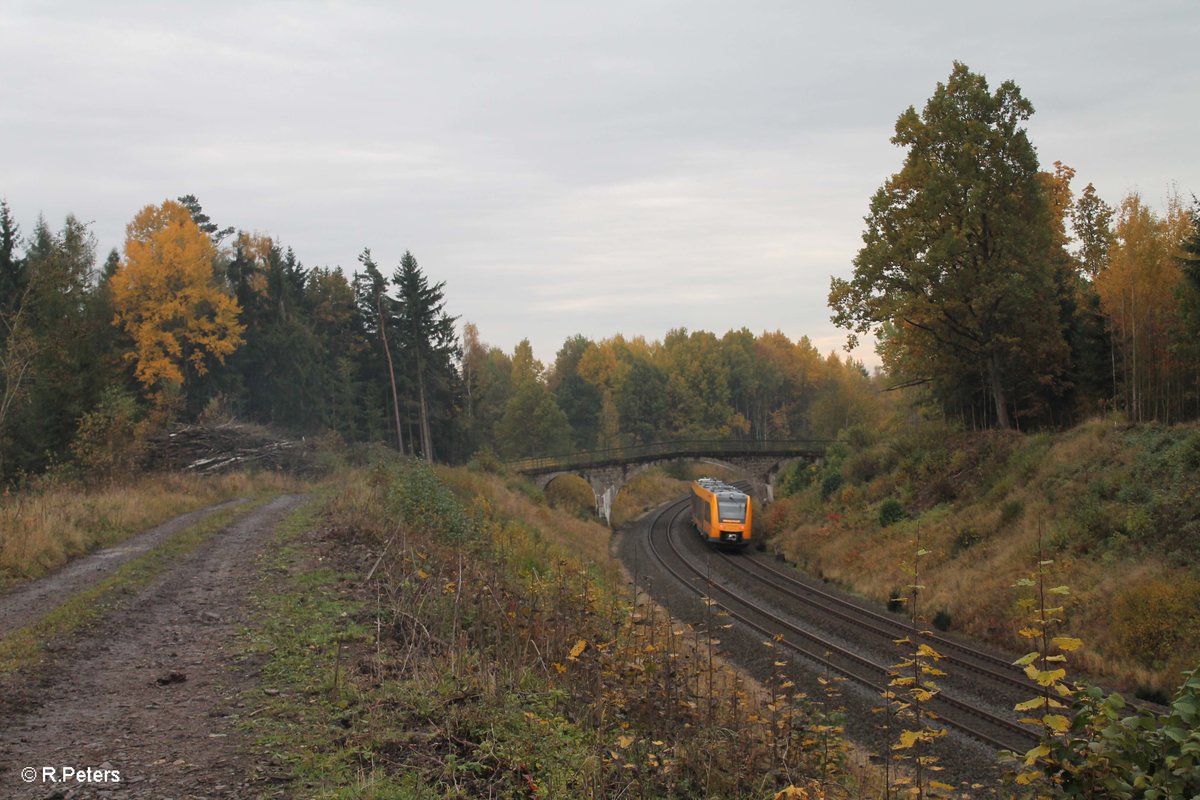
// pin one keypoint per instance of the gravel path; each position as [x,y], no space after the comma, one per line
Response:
[152,691]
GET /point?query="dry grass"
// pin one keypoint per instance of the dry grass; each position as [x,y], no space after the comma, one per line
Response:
[41,530]
[1008,501]
[603,699]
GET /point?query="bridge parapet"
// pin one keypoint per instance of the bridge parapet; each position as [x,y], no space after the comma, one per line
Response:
[692,448]
[606,471]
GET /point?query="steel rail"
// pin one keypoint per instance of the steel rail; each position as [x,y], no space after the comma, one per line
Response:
[1021,735]
[996,669]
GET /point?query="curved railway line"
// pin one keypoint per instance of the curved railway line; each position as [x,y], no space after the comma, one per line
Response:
[973,708]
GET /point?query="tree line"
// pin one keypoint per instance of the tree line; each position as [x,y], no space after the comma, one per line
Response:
[1013,301]
[192,319]
[985,279]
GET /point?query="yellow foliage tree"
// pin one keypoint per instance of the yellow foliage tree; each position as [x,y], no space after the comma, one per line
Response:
[167,300]
[1139,291]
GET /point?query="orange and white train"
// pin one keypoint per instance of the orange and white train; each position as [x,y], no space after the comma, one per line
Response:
[721,513]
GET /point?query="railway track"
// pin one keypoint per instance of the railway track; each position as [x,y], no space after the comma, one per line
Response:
[959,710]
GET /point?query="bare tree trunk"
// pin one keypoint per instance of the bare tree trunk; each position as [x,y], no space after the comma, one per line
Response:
[1003,420]
[387,352]
[426,434]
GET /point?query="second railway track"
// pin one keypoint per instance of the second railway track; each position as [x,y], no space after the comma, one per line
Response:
[771,610]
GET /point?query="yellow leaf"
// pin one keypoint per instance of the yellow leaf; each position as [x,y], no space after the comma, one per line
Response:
[1028,658]
[1034,754]
[927,651]
[625,741]
[1050,676]
[1029,705]
[1067,643]
[907,740]
[1057,723]
[579,647]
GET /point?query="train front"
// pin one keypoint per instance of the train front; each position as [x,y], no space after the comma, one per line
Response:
[733,518]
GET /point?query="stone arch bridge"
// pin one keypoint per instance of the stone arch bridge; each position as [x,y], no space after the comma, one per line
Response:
[607,471]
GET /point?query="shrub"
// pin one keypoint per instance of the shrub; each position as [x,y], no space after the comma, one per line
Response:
[890,512]
[485,460]
[966,538]
[110,441]
[1011,511]
[830,484]
[794,478]
[942,620]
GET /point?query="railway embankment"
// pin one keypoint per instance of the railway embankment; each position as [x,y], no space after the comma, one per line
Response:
[1110,512]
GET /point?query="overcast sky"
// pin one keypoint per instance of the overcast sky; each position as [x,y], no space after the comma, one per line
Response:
[565,168]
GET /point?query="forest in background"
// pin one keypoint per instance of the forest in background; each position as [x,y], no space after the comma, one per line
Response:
[193,320]
[998,297]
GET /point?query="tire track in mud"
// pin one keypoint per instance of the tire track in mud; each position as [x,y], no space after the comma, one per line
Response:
[29,601]
[152,690]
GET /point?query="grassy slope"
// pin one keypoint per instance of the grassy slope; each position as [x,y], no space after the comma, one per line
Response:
[493,653]
[1117,509]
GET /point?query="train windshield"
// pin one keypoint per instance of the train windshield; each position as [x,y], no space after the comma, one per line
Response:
[733,508]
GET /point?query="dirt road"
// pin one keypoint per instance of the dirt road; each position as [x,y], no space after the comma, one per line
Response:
[148,699]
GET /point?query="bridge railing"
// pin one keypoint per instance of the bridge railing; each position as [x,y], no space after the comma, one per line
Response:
[689,448]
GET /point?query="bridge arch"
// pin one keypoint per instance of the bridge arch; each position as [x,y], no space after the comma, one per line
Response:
[608,477]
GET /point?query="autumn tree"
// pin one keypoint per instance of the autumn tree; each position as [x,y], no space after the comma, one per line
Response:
[1140,292]
[167,299]
[697,389]
[532,423]
[487,373]
[956,249]
[642,402]
[579,400]
[604,365]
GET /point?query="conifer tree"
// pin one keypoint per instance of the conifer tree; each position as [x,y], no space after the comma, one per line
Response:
[430,344]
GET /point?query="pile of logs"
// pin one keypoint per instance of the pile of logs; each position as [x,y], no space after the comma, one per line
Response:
[209,449]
